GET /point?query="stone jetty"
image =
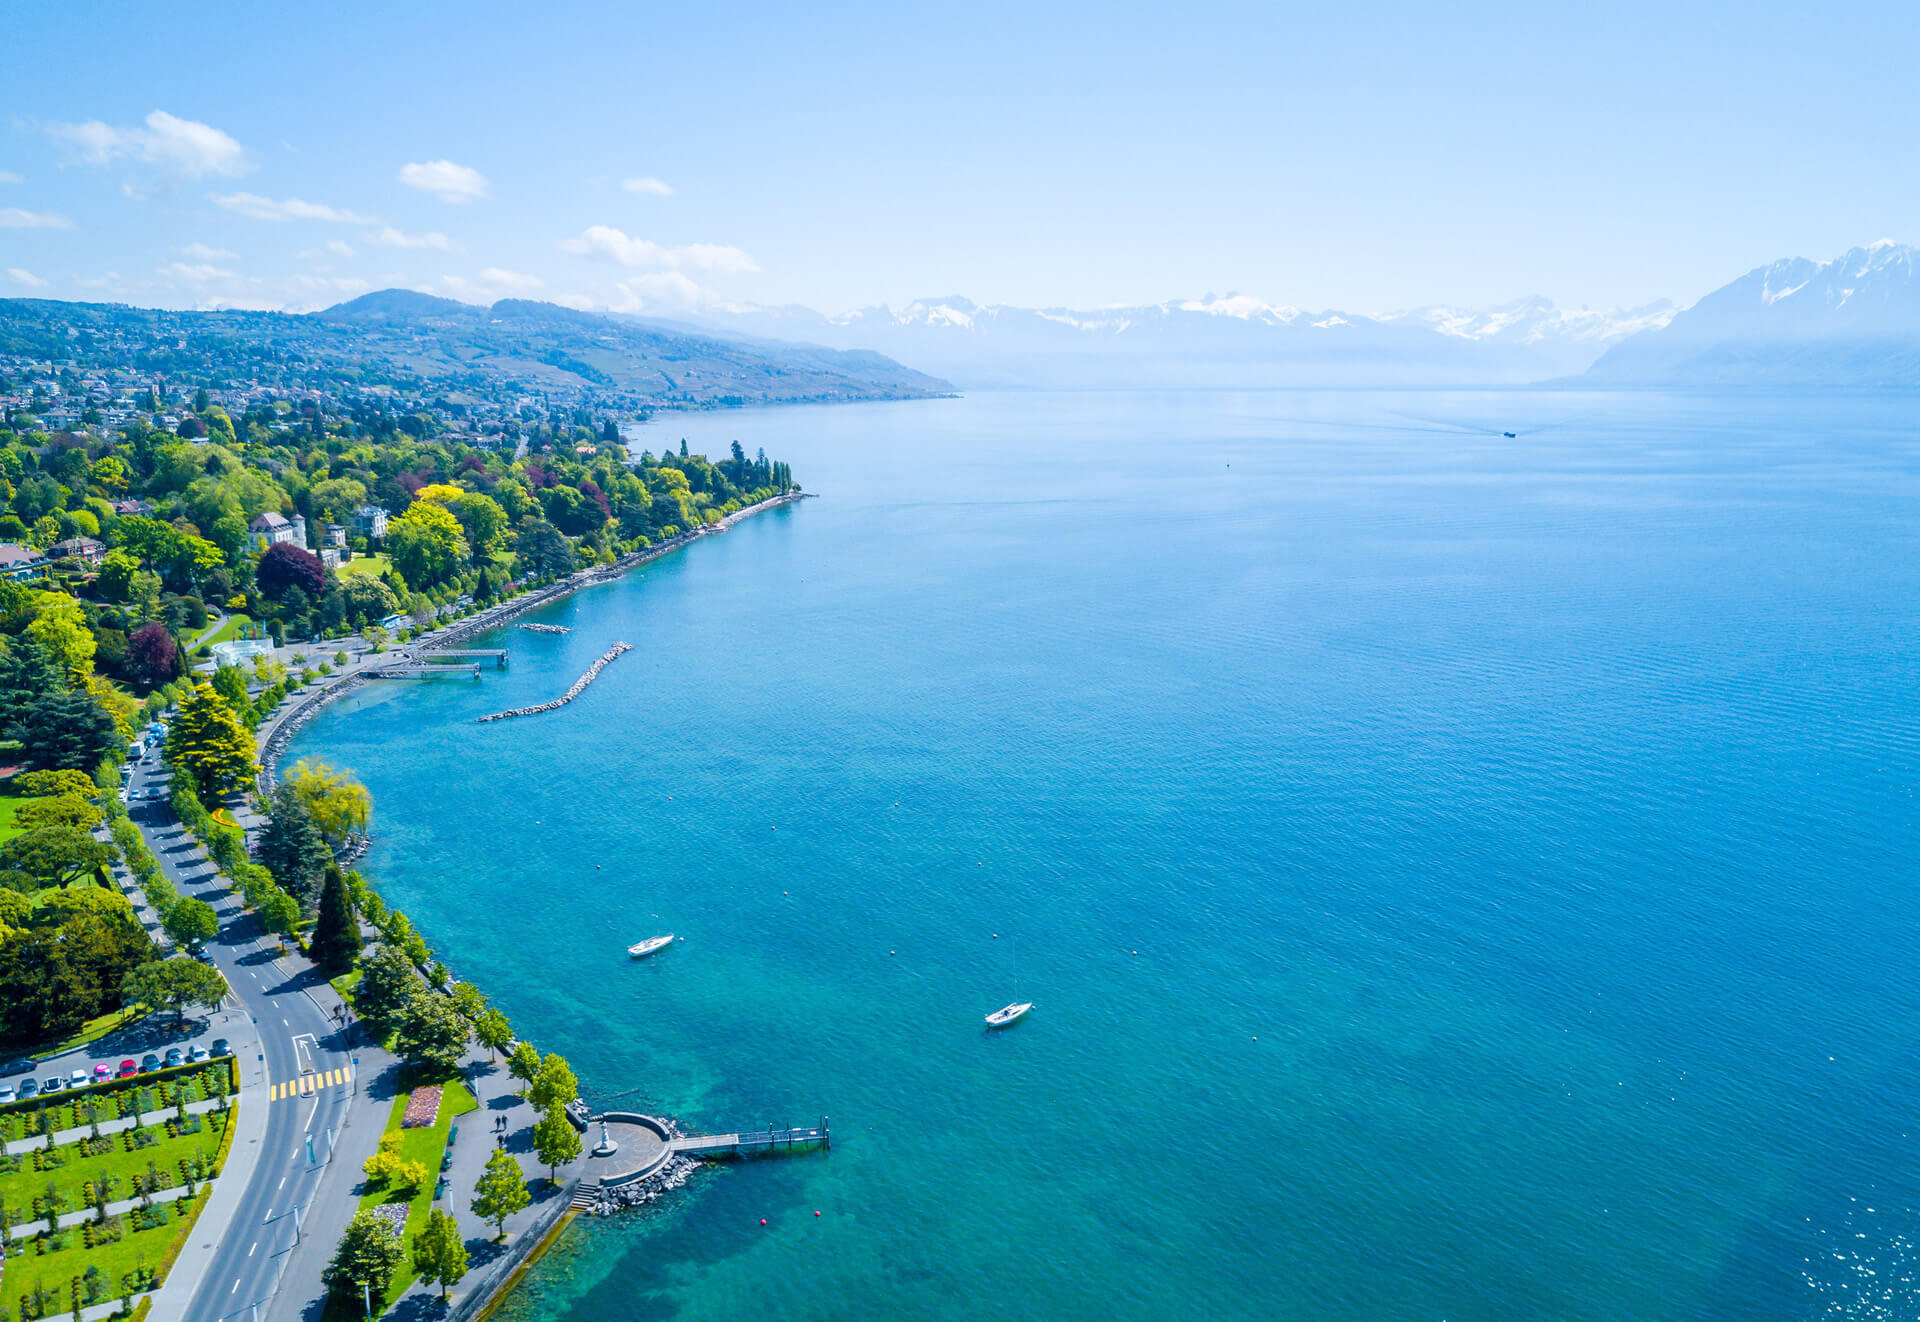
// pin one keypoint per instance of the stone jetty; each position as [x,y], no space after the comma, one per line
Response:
[579,687]
[546,628]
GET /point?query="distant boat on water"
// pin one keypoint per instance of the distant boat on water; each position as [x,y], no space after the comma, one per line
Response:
[1010,1014]
[641,949]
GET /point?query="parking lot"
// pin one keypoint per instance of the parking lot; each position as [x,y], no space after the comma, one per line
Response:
[154,1038]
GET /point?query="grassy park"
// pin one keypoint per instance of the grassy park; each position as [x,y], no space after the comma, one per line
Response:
[102,1260]
[426,1145]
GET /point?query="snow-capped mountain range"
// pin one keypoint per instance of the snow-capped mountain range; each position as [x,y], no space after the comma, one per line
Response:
[1851,321]
[1854,320]
[1230,340]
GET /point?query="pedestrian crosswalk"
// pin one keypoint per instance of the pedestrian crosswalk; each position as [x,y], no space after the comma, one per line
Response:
[308,1084]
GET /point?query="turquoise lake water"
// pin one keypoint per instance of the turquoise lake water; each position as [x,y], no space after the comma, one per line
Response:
[1516,837]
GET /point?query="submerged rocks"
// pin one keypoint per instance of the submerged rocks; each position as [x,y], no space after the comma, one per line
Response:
[607,1201]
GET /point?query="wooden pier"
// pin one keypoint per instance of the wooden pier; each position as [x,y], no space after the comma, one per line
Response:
[757,1140]
[414,670]
[498,655]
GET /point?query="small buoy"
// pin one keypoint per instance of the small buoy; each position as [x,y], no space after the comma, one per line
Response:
[816,1211]
[1256,1039]
[889,952]
[996,936]
[763,1221]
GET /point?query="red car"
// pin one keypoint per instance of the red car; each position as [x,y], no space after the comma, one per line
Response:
[128,1069]
[102,1072]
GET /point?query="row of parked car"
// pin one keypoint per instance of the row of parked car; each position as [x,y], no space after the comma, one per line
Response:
[103,1072]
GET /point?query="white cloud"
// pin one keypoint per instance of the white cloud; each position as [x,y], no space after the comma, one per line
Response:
[389,237]
[605,241]
[331,248]
[648,186]
[578,302]
[24,277]
[445,180]
[493,275]
[9,177]
[185,148]
[13,218]
[255,207]
[196,274]
[655,292]
[200,252]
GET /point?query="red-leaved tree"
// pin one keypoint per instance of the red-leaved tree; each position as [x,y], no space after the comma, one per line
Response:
[286,566]
[153,658]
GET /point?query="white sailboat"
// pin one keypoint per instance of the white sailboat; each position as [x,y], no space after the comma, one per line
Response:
[1014,1013]
[641,949]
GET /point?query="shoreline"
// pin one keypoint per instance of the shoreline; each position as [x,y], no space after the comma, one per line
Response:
[278,734]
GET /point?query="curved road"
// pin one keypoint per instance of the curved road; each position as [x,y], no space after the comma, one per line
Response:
[240,1247]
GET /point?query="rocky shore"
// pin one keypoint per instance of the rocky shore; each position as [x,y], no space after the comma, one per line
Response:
[579,687]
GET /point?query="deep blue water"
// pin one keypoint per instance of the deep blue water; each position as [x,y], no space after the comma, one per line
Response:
[1516,838]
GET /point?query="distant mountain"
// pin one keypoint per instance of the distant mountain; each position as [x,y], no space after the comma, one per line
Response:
[1853,321]
[1214,341]
[401,338]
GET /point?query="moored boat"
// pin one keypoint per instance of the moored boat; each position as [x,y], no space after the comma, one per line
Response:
[641,949]
[1009,1014]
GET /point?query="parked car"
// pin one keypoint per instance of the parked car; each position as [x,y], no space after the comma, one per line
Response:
[79,1079]
[196,1053]
[102,1072]
[128,1069]
[51,1084]
[174,1056]
[220,1047]
[149,1062]
[17,1067]
[6,1093]
[29,1088]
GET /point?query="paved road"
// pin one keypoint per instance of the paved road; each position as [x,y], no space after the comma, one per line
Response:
[288,1035]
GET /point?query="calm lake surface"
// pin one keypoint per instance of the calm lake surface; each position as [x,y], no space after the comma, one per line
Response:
[1458,877]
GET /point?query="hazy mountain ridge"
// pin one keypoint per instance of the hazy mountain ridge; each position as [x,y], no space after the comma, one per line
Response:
[1851,321]
[513,345]
[1233,340]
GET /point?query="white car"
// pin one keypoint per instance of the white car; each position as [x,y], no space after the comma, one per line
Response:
[79,1079]
[6,1093]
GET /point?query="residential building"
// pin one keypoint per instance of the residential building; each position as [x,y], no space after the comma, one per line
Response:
[370,521]
[88,549]
[17,561]
[271,529]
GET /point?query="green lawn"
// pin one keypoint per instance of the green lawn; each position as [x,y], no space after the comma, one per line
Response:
[425,1145]
[25,1189]
[230,627]
[371,565]
[9,805]
[346,982]
[38,1265]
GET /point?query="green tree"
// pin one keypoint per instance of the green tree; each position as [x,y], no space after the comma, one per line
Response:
[340,805]
[55,855]
[439,1252]
[524,1063]
[555,1141]
[292,847]
[482,520]
[68,729]
[174,984]
[391,1167]
[335,943]
[500,1192]
[59,810]
[280,911]
[230,682]
[190,922]
[369,1254]
[117,573]
[208,741]
[493,1032]
[51,783]
[554,1086]
[387,987]
[426,544]
[432,1034]
[60,626]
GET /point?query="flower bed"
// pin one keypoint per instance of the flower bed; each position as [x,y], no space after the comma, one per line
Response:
[395,1215]
[423,1108]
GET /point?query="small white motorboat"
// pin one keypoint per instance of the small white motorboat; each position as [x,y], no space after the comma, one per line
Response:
[1011,1014]
[641,949]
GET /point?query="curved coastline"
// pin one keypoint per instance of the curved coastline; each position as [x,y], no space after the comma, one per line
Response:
[277,733]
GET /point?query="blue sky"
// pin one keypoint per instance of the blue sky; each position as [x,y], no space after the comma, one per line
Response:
[1367,157]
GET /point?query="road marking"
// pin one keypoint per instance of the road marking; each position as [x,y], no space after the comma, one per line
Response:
[236,1287]
[283,1184]
[250,1249]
